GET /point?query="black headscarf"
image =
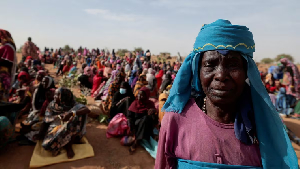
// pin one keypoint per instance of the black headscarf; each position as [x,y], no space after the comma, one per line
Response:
[118,96]
[40,94]
[166,82]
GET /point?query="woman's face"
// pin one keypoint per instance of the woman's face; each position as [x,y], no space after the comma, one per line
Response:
[57,96]
[45,82]
[142,96]
[28,64]
[95,71]
[284,63]
[222,77]
[39,77]
[88,72]
[118,79]
[23,79]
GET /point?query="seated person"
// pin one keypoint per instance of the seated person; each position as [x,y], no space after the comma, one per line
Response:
[67,68]
[32,124]
[64,123]
[142,117]
[113,88]
[73,70]
[22,96]
[97,81]
[38,79]
[86,79]
[285,103]
[8,120]
[122,100]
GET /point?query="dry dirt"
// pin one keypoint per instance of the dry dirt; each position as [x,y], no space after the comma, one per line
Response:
[108,152]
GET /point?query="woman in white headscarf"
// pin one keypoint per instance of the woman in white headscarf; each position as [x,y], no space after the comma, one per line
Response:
[152,83]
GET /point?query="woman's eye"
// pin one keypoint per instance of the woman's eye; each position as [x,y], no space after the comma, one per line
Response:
[208,64]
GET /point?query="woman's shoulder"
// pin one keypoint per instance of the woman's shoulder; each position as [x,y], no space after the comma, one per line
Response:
[6,49]
[188,110]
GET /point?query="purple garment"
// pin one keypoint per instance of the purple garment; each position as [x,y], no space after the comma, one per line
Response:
[192,135]
[134,82]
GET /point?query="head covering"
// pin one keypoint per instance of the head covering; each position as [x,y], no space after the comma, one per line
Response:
[150,77]
[296,77]
[135,67]
[39,95]
[113,88]
[66,101]
[23,73]
[166,82]
[127,68]
[87,71]
[41,72]
[66,57]
[132,76]
[141,82]
[118,67]
[275,146]
[6,36]
[139,107]
[97,81]
[51,82]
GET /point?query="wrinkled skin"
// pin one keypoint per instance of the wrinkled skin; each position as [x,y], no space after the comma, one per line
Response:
[222,77]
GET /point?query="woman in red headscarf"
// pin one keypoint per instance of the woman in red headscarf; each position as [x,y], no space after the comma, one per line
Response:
[8,63]
[159,78]
[97,80]
[24,79]
[142,117]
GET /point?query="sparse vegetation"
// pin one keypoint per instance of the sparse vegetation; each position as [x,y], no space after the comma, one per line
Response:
[267,60]
[121,52]
[291,58]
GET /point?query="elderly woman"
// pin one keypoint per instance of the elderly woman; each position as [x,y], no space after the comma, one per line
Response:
[142,117]
[231,123]
[64,123]
[38,106]
[293,74]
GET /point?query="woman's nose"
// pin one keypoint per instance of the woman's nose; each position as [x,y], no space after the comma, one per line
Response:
[222,74]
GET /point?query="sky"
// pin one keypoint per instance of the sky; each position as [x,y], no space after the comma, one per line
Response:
[158,25]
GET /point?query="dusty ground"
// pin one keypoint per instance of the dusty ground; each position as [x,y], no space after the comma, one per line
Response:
[108,152]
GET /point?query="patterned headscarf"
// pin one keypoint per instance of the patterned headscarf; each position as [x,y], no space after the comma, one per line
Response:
[6,36]
[113,88]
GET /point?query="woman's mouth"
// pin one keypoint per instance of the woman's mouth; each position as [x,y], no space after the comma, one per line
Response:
[220,92]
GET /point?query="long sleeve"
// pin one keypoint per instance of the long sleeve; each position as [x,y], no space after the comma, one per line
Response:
[11,107]
[131,120]
[115,99]
[161,161]
[165,158]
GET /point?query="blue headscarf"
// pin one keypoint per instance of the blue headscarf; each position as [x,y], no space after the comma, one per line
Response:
[275,146]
